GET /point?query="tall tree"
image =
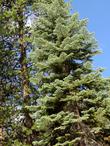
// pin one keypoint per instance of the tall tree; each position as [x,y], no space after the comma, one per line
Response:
[72,97]
[14,39]
[20,13]
[8,75]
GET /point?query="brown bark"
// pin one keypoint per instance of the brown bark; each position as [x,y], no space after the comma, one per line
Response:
[24,72]
[79,126]
[87,138]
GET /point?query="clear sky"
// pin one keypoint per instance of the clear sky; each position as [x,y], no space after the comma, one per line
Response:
[98,13]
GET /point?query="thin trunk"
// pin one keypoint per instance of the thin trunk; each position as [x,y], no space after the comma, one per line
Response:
[24,72]
[79,127]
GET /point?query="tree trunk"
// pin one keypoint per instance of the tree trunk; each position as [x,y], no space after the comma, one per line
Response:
[24,72]
[79,127]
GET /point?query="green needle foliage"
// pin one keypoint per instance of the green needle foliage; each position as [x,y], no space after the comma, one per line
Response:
[72,109]
[56,98]
[9,80]
[14,43]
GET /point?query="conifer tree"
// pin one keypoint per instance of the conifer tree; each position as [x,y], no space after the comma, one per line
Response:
[14,44]
[9,85]
[19,13]
[72,107]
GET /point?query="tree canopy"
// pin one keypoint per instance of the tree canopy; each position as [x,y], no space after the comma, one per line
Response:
[50,93]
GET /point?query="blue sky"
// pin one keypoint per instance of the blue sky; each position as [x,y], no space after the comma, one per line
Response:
[98,14]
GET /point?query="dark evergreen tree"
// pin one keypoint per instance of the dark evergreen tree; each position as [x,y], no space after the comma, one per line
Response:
[9,82]
[15,88]
[19,13]
[72,109]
